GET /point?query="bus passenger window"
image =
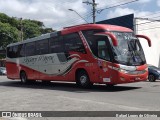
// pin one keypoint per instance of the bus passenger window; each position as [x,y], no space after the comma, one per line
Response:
[30,49]
[73,42]
[56,45]
[21,50]
[42,47]
[10,52]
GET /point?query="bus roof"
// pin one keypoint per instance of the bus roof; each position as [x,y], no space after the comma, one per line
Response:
[43,36]
[73,29]
[106,27]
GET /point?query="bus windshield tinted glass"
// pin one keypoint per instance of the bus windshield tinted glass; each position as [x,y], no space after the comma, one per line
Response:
[129,50]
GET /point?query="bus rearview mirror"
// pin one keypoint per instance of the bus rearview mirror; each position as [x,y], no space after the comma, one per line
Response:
[112,36]
[145,37]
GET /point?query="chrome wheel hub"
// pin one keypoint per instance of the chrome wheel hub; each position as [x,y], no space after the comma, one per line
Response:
[83,79]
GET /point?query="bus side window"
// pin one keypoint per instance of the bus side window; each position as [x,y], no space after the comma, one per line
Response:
[12,52]
[42,47]
[56,45]
[15,51]
[103,50]
[21,50]
[73,42]
[91,39]
[9,52]
[30,49]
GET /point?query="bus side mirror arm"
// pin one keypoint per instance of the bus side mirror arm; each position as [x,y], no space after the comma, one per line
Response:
[113,38]
[145,37]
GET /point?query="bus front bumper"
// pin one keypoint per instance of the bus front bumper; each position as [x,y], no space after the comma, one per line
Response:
[129,77]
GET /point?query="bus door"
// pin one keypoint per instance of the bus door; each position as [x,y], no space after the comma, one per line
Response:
[103,60]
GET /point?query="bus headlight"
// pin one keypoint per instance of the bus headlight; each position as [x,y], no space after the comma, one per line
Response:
[123,71]
[127,69]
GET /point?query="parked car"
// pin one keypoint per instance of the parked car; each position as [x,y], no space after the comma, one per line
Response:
[3,71]
[154,73]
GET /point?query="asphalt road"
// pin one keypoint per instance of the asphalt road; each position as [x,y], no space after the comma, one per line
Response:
[142,96]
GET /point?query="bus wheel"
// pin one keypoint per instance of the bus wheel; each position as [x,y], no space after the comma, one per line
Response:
[23,77]
[83,79]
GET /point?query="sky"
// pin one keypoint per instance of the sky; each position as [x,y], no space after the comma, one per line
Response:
[55,13]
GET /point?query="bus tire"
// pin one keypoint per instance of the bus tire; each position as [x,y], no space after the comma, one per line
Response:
[23,77]
[83,79]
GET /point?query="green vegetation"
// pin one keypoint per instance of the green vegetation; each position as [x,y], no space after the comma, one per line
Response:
[10,29]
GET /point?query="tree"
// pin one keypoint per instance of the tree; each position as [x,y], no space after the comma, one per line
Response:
[8,34]
[10,29]
[30,29]
[33,28]
[11,20]
[47,30]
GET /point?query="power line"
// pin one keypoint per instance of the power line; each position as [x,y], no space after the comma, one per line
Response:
[74,20]
[99,11]
[111,6]
[88,15]
[149,28]
[149,21]
[78,15]
[91,14]
[115,3]
[146,22]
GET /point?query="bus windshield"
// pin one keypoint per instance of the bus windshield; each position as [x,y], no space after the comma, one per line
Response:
[129,50]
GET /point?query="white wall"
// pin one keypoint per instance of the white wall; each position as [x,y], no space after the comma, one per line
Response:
[152,30]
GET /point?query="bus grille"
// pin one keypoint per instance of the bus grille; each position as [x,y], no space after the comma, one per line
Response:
[136,72]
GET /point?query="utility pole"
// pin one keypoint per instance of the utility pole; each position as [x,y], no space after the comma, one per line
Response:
[94,4]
